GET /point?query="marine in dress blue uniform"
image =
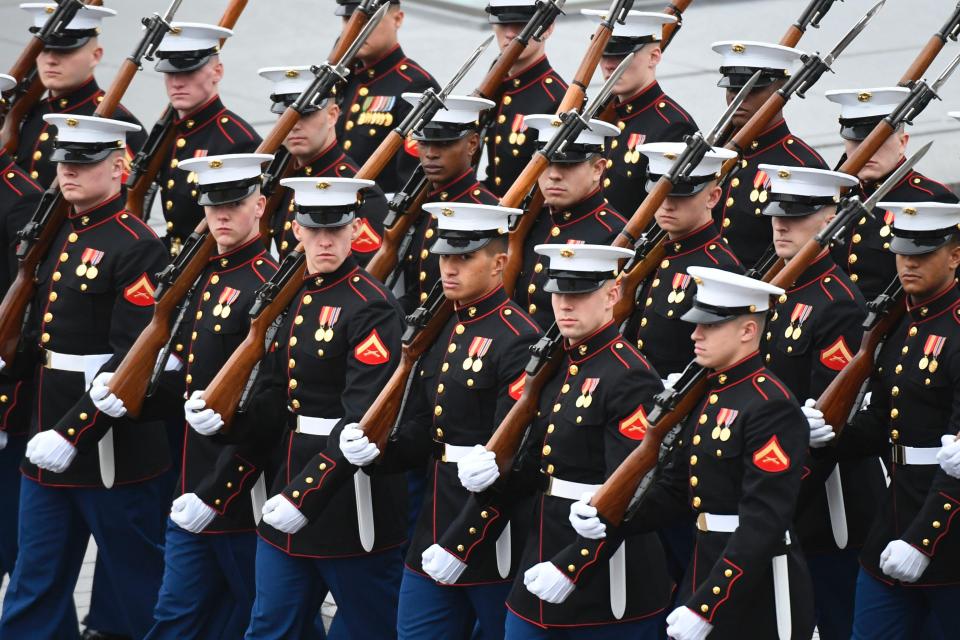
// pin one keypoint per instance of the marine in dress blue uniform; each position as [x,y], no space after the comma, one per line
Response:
[864,251]
[316,152]
[532,86]
[739,214]
[94,295]
[574,209]
[189,56]
[592,413]
[644,112]
[909,564]
[812,334]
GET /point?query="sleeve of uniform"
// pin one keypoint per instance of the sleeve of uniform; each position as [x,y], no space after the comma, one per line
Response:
[372,213]
[234,473]
[374,340]
[836,342]
[766,510]
[934,522]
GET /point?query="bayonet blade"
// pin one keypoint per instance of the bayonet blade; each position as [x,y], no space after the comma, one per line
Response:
[853,33]
[727,116]
[172,11]
[896,177]
[945,75]
[465,68]
[606,90]
[362,36]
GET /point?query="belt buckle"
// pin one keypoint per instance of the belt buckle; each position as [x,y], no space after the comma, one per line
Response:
[702,522]
[47,358]
[898,455]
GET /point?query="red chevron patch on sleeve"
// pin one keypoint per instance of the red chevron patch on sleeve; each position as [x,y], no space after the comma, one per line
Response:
[372,350]
[140,293]
[634,426]
[367,240]
[836,356]
[410,146]
[516,387]
[771,457]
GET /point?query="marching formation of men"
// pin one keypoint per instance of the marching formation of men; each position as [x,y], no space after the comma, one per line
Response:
[682,386]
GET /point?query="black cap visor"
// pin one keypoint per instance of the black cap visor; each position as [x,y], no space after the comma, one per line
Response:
[857,129]
[790,206]
[682,188]
[68,39]
[183,61]
[326,217]
[510,15]
[83,153]
[347,7]
[575,153]
[280,102]
[702,313]
[736,77]
[576,281]
[918,243]
[443,132]
[619,47]
[212,195]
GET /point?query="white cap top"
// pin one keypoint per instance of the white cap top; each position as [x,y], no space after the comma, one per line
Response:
[193,36]
[546,124]
[87,17]
[7,82]
[923,216]
[226,168]
[756,55]
[496,4]
[723,289]
[325,192]
[583,258]
[288,80]
[459,109]
[661,156]
[89,129]
[467,216]
[801,181]
[638,24]
[867,103]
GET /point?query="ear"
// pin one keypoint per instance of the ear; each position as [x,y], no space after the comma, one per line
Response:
[354,229]
[954,258]
[749,330]
[260,206]
[398,18]
[333,113]
[904,141]
[119,162]
[714,194]
[97,55]
[599,165]
[614,292]
[473,141]
[217,70]
[656,55]
[499,263]
[297,231]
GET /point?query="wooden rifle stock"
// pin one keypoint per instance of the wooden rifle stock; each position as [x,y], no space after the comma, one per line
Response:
[631,279]
[355,24]
[518,237]
[385,260]
[837,400]
[274,200]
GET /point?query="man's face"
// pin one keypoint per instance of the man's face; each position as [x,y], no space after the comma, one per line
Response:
[313,133]
[85,185]
[926,275]
[468,276]
[751,103]
[679,216]
[579,315]
[639,75]
[325,249]
[63,71]
[235,223]
[791,233]
[505,33]
[192,89]
[445,161]
[383,38]
[885,160]
[564,185]
[715,345]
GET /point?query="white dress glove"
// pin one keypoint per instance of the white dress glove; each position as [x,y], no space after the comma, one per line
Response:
[279,513]
[949,455]
[820,432]
[684,624]
[3,364]
[356,448]
[204,421]
[441,565]
[3,440]
[901,561]
[584,519]
[478,469]
[548,583]
[671,380]
[51,451]
[104,399]
[191,513]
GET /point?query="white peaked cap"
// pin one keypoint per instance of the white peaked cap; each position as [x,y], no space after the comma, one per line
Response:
[722,295]
[756,55]
[459,109]
[325,192]
[547,124]
[226,168]
[288,80]
[193,36]
[467,216]
[87,17]
[867,103]
[89,129]
[7,82]
[801,181]
[662,155]
[922,216]
[583,258]
[638,24]
[497,4]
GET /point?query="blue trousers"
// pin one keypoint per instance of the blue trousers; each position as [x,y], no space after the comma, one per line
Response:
[430,611]
[893,612]
[208,585]
[834,578]
[55,526]
[366,589]
[649,629]
[10,457]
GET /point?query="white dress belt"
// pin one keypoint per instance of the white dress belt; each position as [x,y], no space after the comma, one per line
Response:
[569,490]
[455,452]
[718,523]
[914,455]
[87,364]
[316,426]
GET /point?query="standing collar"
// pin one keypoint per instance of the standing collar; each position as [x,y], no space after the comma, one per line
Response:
[98,213]
[322,162]
[820,267]
[736,372]
[201,115]
[244,253]
[535,71]
[693,240]
[327,279]
[381,66]
[456,187]
[69,101]
[592,344]
[580,210]
[933,306]
[773,134]
[476,309]
[640,100]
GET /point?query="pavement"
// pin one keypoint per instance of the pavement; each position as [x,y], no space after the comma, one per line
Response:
[440,34]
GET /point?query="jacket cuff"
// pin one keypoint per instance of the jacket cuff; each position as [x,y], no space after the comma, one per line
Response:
[716,590]
[83,425]
[579,559]
[931,525]
[478,524]
[233,480]
[320,480]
